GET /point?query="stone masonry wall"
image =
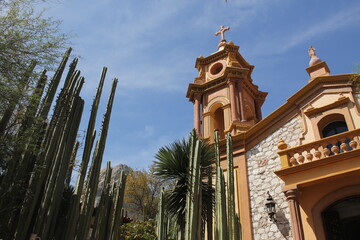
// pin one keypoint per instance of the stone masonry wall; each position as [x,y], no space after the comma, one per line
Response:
[262,161]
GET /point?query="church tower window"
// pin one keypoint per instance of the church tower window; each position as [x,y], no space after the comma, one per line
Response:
[219,122]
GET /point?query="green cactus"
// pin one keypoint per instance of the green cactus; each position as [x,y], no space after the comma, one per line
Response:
[89,142]
[161,223]
[232,223]
[220,197]
[118,198]
[88,207]
[44,163]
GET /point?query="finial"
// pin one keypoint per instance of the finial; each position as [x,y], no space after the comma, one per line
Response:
[282,145]
[222,33]
[313,58]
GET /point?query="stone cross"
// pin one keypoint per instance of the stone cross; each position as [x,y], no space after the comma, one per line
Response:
[222,32]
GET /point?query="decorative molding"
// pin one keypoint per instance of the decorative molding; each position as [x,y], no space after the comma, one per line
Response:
[341,101]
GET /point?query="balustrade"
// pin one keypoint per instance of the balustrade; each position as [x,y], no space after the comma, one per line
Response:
[334,145]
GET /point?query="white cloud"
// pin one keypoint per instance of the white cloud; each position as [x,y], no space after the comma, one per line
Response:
[146,132]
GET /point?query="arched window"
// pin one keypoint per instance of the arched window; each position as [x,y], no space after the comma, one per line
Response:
[334,128]
[219,122]
[342,219]
[331,125]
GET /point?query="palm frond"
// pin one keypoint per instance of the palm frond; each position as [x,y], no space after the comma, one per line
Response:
[173,165]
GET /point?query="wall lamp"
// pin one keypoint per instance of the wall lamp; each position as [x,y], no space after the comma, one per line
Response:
[270,207]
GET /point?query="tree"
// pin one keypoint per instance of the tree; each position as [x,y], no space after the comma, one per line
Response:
[173,165]
[28,42]
[26,37]
[142,194]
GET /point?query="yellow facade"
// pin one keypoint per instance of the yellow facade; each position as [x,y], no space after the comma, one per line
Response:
[306,153]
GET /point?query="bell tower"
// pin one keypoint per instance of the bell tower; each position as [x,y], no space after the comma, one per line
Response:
[224,96]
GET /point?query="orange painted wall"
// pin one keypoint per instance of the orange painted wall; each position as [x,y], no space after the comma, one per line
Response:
[312,201]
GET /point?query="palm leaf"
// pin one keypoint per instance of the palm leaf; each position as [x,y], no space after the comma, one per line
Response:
[172,165]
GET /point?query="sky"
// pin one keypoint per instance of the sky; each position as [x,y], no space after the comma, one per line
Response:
[151,47]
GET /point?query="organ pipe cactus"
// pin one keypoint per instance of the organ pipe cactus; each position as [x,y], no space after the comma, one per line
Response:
[233,223]
[45,160]
[193,215]
[89,141]
[56,180]
[88,206]
[220,196]
[161,221]
[117,211]
[101,218]
[41,135]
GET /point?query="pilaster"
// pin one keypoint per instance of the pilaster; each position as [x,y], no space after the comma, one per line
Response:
[292,196]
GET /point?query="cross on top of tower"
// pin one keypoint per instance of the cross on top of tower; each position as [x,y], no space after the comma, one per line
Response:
[222,32]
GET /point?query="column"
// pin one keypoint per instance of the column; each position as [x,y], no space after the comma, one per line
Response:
[197,125]
[241,101]
[234,115]
[296,224]
[258,109]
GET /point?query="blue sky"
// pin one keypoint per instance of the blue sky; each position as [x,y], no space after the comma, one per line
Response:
[151,46]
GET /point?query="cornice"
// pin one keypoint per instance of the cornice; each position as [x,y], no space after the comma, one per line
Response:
[201,88]
[253,90]
[212,58]
[221,54]
[289,109]
[341,101]
[230,72]
[318,82]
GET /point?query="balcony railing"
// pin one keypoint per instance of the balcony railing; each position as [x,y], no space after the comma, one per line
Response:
[314,151]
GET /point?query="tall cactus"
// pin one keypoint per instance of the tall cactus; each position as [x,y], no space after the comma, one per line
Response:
[48,156]
[232,223]
[102,213]
[88,207]
[56,180]
[118,199]
[193,220]
[161,221]
[189,206]
[89,141]
[41,130]
[220,197]
[209,217]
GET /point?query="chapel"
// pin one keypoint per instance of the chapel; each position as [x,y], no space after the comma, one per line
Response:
[297,171]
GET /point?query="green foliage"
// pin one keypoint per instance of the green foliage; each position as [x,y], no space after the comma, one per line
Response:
[142,194]
[28,40]
[138,230]
[27,35]
[173,165]
[35,194]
